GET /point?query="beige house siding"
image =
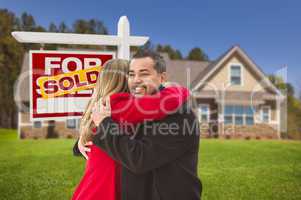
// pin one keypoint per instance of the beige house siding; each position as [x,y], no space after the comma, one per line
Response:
[220,79]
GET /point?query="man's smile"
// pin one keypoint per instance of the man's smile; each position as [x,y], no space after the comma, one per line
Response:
[139,90]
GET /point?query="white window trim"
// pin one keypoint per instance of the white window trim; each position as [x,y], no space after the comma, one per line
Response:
[241,73]
[208,114]
[261,113]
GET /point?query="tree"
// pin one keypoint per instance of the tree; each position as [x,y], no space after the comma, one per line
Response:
[63,28]
[27,22]
[97,27]
[197,54]
[53,28]
[92,26]
[293,118]
[173,54]
[178,54]
[285,88]
[299,92]
[293,108]
[10,61]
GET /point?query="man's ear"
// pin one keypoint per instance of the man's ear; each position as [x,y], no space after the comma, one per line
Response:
[163,77]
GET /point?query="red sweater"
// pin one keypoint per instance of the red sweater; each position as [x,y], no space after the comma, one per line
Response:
[101,180]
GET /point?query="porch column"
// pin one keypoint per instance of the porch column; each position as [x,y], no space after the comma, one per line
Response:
[278,108]
[220,118]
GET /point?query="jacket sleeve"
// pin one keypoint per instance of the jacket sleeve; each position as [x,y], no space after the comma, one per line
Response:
[160,144]
[126,108]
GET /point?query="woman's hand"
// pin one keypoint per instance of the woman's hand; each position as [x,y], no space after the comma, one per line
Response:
[101,110]
[84,148]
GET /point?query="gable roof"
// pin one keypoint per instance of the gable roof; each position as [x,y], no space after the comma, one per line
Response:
[204,76]
[184,72]
[207,69]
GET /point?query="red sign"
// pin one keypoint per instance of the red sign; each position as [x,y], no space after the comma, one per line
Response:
[62,82]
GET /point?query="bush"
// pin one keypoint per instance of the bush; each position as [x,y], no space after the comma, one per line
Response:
[247,137]
[228,136]
[69,136]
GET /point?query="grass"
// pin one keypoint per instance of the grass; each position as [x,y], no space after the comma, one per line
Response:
[229,169]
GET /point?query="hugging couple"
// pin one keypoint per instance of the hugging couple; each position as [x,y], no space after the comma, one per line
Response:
[140,137]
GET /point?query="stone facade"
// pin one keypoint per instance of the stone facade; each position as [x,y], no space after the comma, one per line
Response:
[256,131]
[46,129]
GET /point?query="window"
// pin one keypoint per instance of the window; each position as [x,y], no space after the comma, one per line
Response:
[37,124]
[249,112]
[228,120]
[265,114]
[228,114]
[238,115]
[78,123]
[235,75]
[249,120]
[204,113]
[239,112]
[71,123]
[239,120]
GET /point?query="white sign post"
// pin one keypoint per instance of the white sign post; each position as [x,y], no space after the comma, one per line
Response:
[122,40]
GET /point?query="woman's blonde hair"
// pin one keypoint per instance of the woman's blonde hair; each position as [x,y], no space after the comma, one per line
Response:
[112,78]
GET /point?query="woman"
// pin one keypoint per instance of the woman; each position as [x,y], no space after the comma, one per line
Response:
[102,174]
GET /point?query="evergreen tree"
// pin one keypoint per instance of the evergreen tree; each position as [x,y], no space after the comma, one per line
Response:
[173,54]
[11,54]
[197,54]
[53,28]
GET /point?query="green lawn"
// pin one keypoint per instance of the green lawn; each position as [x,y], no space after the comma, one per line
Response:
[229,169]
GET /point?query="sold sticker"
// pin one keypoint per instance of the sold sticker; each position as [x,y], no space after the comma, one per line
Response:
[68,83]
[62,82]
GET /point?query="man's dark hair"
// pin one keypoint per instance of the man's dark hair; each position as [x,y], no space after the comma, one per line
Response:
[160,65]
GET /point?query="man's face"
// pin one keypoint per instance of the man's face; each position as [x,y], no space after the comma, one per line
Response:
[143,78]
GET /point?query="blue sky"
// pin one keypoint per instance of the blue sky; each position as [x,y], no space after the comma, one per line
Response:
[268,30]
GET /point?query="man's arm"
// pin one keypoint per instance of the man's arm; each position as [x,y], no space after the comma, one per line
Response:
[161,142]
[127,108]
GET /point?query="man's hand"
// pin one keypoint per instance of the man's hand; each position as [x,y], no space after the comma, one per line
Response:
[84,148]
[101,110]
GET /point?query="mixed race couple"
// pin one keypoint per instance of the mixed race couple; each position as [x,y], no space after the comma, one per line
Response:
[139,135]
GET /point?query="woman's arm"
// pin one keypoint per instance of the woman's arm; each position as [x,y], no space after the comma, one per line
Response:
[127,108]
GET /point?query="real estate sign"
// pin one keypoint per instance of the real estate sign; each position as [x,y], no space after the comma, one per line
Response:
[62,82]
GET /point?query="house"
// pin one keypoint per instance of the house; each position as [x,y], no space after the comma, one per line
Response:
[233,97]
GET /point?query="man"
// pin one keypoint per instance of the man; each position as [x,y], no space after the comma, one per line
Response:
[160,161]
